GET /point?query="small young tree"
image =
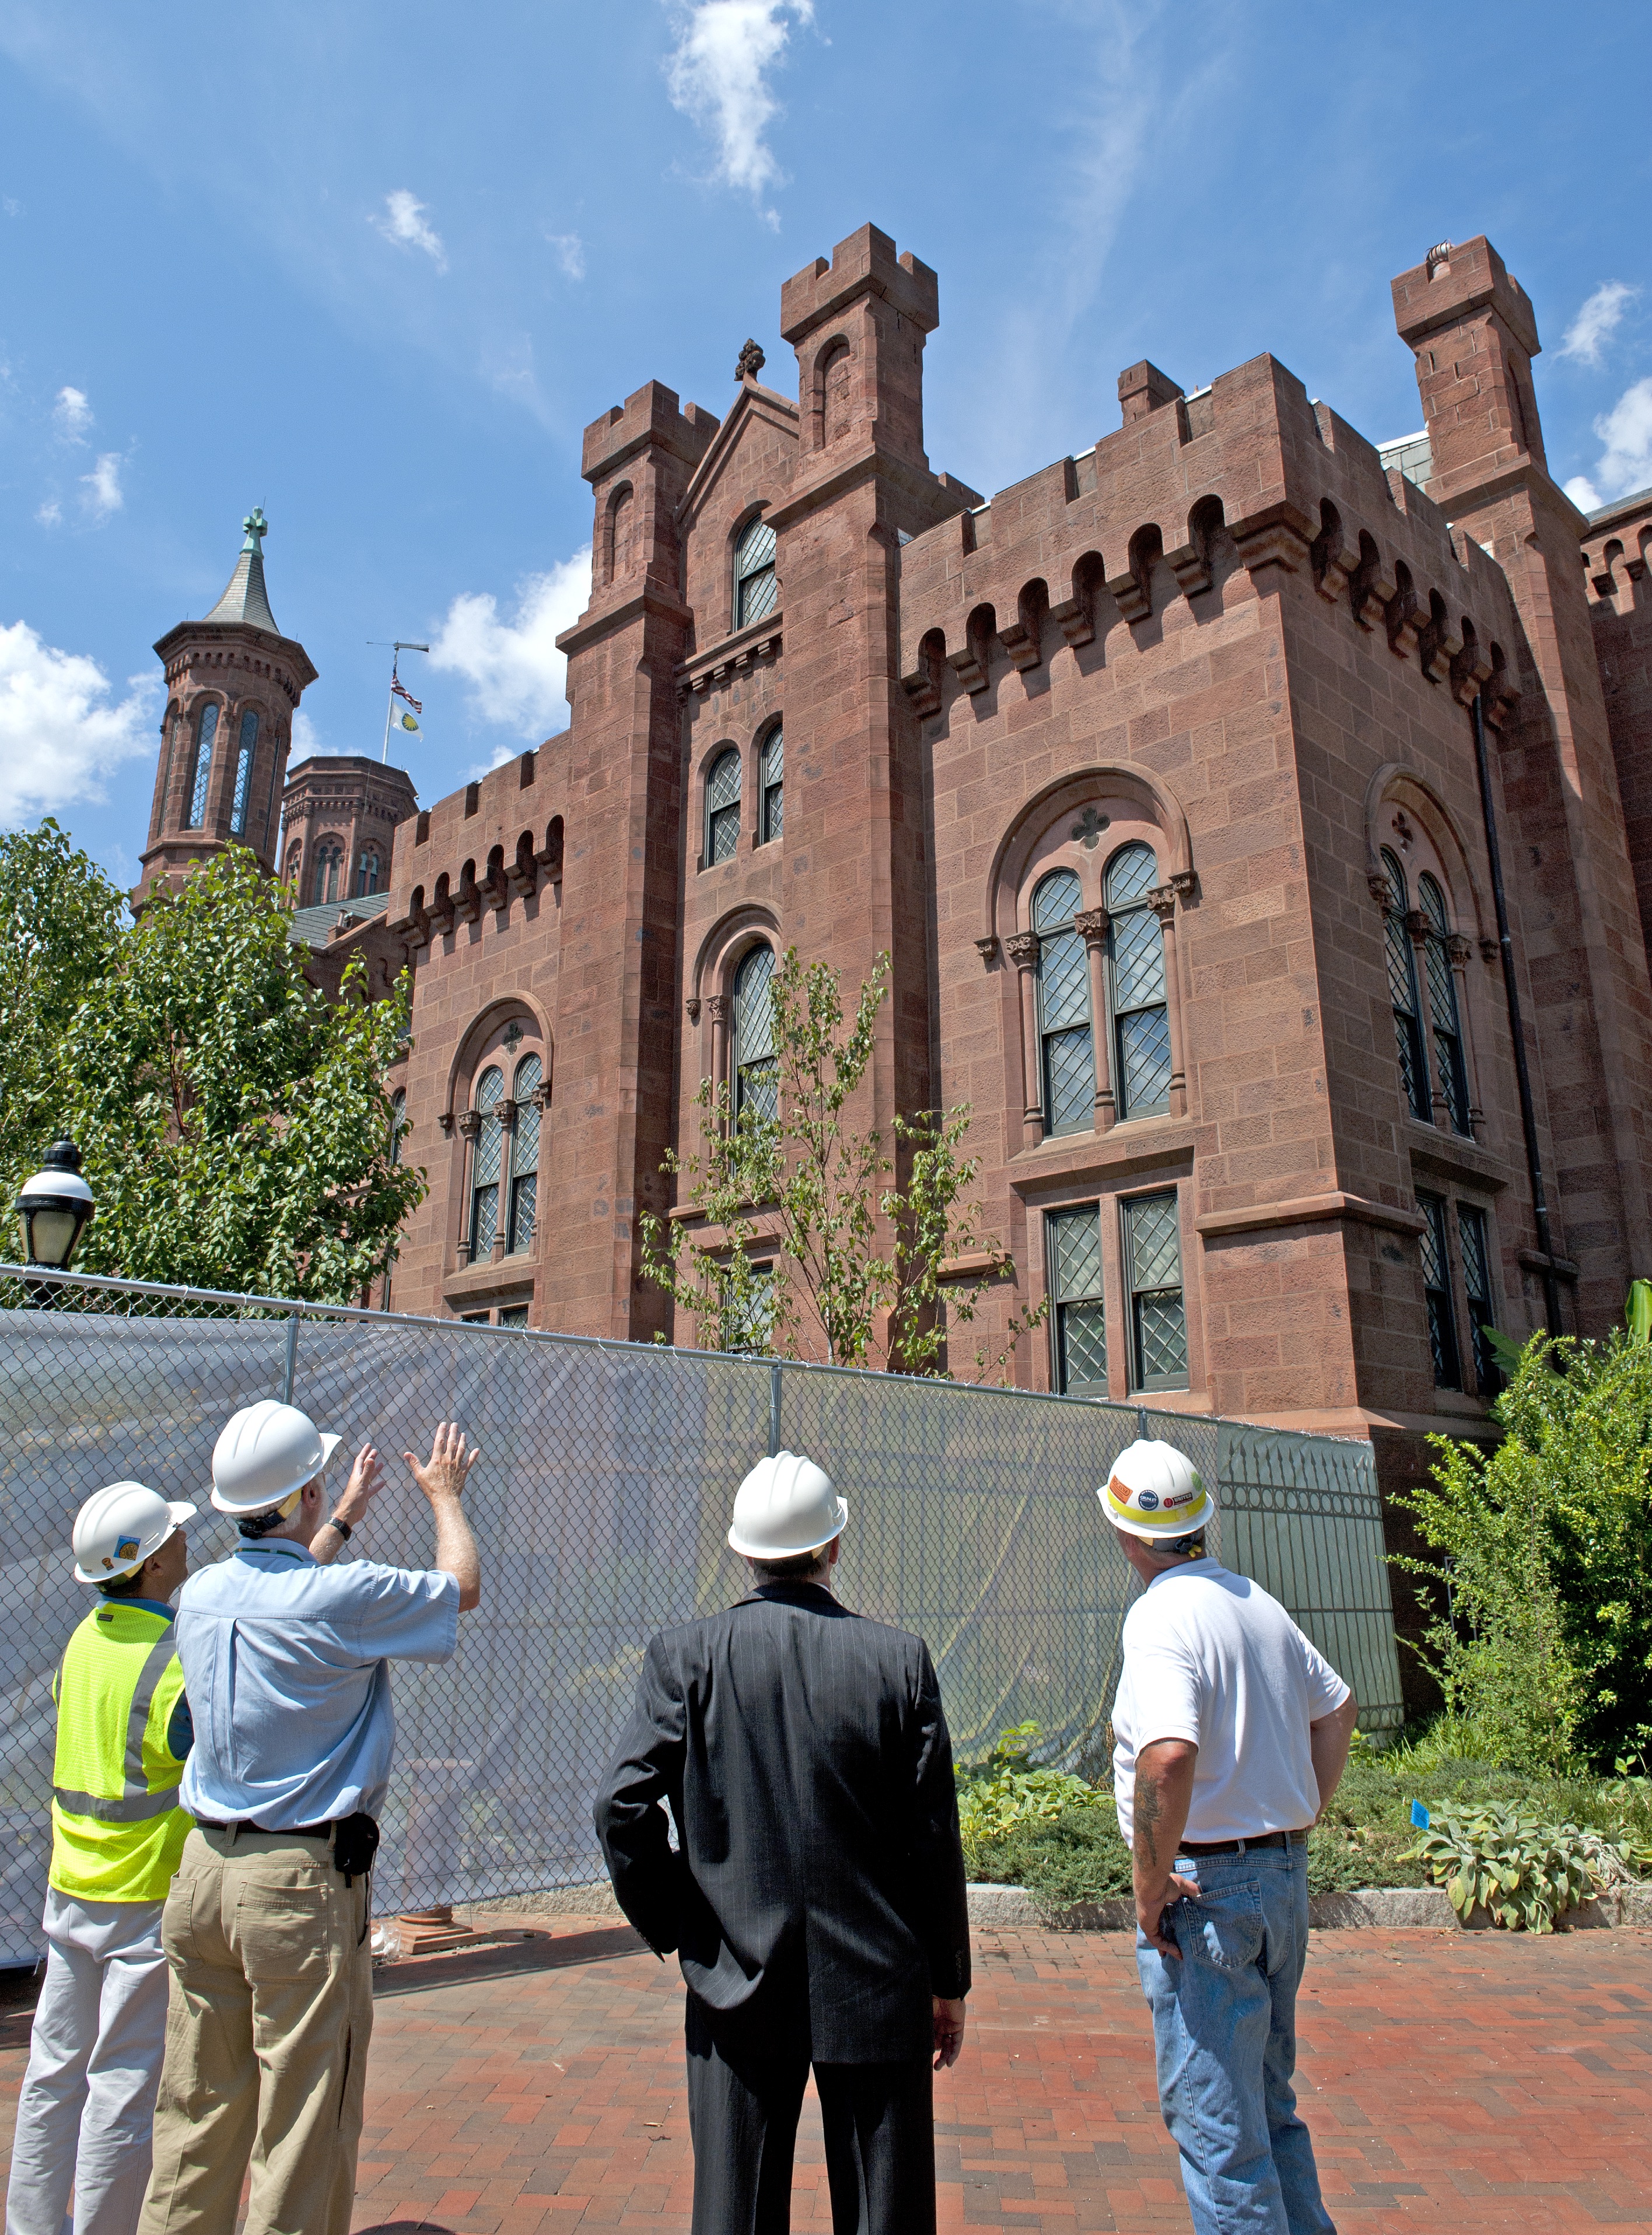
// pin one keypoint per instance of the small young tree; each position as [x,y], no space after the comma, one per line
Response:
[852,1246]
[61,925]
[1544,1640]
[234,1123]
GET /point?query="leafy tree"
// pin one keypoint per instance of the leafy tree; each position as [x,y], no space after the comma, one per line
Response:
[1545,1642]
[234,1123]
[61,925]
[855,1248]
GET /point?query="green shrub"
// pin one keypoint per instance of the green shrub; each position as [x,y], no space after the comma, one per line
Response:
[1542,1639]
[1077,1856]
[1522,1872]
[1005,1792]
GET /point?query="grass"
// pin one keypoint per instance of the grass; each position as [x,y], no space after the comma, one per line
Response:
[1080,1856]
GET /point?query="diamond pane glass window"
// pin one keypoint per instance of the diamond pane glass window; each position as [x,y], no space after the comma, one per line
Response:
[1442,999]
[774,769]
[756,1074]
[205,733]
[748,1320]
[1080,1334]
[755,588]
[1068,1058]
[524,1156]
[486,1157]
[1437,1293]
[1136,975]
[329,873]
[723,808]
[244,772]
[1402,992]
[1153,1269]
[1477,1285]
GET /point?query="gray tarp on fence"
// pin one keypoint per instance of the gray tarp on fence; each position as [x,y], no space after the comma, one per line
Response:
[600,1504]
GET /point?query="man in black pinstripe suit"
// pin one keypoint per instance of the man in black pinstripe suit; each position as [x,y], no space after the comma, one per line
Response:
[816,1895]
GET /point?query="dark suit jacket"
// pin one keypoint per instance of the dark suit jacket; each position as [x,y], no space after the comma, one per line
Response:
[804,1755]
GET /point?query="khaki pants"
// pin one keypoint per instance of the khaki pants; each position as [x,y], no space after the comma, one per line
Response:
[267,2025]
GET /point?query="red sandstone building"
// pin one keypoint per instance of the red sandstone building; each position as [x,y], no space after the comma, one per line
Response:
[1158,776]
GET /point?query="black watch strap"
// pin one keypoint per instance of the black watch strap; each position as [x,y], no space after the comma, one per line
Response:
[343,1527]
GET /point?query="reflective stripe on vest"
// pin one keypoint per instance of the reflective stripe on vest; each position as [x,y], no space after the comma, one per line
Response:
[136,1804]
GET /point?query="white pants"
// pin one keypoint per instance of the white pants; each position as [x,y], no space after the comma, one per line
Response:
[88,2101]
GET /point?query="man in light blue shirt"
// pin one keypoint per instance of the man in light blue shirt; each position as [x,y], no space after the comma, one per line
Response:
[286,1660]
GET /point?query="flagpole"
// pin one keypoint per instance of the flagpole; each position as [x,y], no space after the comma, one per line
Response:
[395,650]
[390,709]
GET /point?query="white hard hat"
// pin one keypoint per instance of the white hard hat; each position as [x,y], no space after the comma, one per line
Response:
[1155,1491]
[786,1506]
[119,1527]
[266,1451]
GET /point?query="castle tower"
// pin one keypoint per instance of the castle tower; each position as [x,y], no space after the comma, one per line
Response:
[338,816]
[234,683]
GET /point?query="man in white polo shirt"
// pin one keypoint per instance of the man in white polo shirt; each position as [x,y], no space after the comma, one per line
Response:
[1231,1734]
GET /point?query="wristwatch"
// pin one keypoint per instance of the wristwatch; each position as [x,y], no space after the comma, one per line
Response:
[343,1527]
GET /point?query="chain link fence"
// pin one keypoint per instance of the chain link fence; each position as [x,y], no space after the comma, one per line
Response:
[600,1505]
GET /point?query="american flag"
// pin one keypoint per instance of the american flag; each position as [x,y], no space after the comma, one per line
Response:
[401,691]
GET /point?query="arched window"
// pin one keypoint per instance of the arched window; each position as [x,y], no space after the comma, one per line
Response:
[754,589]
[1402,992]
[1064,1007]
[248,747]
[524,1159]
[622,513]
[398,1115]
[205,733]
[772,777]
[166,773]
[756,1072]
[367,867]
[295,857]
[723,808]
[330,872]
[485,1159]
[1136,974]
[1442,999]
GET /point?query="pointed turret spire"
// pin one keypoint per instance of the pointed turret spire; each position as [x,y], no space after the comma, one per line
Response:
[246,597]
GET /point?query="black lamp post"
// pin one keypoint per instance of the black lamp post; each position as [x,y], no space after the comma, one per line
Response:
[54,1210]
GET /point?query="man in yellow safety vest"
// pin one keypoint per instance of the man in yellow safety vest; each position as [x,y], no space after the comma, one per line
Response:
[123,1731]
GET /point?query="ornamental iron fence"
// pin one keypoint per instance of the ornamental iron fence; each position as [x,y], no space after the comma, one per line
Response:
[600,1504]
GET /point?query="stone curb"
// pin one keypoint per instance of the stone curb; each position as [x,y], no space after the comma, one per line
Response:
[1386,1908]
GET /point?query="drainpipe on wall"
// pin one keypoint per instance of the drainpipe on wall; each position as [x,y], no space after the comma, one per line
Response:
[1511,995]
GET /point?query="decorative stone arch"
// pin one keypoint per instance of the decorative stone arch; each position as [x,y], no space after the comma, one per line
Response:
[756,509]
[725,946]
[833,350]
[477,1051]
[1084,787]
[618,533]
[1398,786]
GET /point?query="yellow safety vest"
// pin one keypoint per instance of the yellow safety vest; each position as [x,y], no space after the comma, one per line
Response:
[117,1830]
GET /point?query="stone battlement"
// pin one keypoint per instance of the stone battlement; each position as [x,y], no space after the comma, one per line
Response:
[864,264]
[649,415]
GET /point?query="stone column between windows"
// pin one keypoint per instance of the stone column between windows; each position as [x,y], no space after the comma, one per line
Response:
[470,1125]
[1022,947]
[1418,926]
[718,1006]
[507,1134]
[1162,900]
[1091,928]
[1459,947]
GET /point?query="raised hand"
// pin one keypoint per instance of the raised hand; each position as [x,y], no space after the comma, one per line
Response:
[442,1476]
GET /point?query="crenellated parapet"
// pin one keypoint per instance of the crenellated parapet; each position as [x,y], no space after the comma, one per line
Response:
[1217,496]
[482,853]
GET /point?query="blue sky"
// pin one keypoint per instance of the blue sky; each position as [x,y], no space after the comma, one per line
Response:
[375,267]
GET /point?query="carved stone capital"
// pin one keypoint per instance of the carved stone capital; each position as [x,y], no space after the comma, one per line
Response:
[506,1112]
[1091,926]
[1180,883]
[1162,900]
[540,1097]
[1022,947]
[692,1006]
[470,1124]
[987,950]
[1418,925]
[445,1121]
[1381,890]
[1459,947]
[718,1005]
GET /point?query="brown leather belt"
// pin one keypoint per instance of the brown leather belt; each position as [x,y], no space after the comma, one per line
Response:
[1242,1846]
[269,1830]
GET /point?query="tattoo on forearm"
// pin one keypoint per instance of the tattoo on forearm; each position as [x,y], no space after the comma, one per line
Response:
[1149,1809]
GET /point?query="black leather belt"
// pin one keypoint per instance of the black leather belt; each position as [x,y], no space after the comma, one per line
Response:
[269,1830]
[1242,1846]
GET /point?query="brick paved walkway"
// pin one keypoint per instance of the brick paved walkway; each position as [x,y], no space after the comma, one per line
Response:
[1465,2082]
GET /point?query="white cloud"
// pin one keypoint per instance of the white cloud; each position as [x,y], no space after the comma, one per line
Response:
[1626,462]
[517,676]
[102,485]
[569,251]
[307,738]
[1597,321]
[50,513]
[717,75]
[11,208]
[60,738]
[403,223]
[72,413]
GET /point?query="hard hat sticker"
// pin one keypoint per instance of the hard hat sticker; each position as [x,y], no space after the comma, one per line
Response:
[126,1548]
[1147,1500]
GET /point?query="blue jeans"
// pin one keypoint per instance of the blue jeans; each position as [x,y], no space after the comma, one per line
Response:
[1224,2032]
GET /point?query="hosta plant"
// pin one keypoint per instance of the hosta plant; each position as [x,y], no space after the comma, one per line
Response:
[1523,1873]
[1006,1790]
